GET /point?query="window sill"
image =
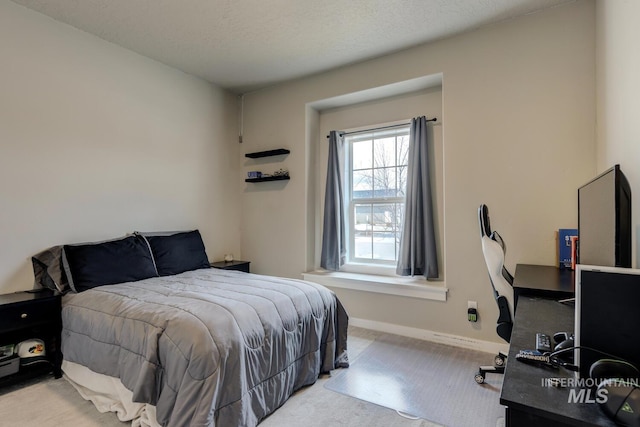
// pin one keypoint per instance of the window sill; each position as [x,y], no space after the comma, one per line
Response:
[398,286]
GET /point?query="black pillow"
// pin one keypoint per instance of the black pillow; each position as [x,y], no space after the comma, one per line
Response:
[107,263]
[48,269]
[178,252]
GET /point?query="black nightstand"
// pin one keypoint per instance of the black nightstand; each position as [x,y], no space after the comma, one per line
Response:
[27,315]
[232,265]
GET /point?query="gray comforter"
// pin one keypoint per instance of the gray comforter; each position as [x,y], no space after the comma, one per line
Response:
[208,347]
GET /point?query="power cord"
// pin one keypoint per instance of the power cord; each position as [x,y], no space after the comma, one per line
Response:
[408,416]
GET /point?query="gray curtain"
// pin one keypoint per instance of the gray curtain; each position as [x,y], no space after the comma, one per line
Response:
[418,243]
[333,235]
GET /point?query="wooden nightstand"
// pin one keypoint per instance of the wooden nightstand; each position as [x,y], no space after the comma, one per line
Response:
[27,315]
[232,265]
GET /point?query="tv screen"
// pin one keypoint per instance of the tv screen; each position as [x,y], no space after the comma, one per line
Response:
[604,220]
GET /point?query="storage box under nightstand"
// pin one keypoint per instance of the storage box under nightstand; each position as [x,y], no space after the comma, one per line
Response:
[9,365]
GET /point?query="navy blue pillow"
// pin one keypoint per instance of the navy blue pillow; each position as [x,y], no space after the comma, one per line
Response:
[178,252]
[107,263]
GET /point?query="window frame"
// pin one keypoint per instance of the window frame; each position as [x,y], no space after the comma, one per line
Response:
[399,201]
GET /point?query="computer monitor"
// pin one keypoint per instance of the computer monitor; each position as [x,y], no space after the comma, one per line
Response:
[606,315]
[604,220]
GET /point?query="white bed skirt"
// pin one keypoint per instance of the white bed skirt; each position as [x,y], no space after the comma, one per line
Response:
[109,395]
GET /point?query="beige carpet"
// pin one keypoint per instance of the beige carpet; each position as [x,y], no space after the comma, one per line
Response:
[52,403]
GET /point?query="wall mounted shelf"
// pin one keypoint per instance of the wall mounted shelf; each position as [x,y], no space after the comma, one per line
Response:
[268,178]
[267,153]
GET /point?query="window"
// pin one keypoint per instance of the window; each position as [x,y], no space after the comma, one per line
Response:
[376,182]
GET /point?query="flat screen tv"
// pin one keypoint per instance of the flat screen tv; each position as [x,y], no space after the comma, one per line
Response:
[604,220]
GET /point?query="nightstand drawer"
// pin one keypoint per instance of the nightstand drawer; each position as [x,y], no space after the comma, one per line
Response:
[20,315]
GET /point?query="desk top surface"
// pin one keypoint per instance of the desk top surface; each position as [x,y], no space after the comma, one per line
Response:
[524,385]
[543,280]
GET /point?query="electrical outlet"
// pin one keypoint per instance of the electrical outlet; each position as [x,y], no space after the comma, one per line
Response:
[472,311]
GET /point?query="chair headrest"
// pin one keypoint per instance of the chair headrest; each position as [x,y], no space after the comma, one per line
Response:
[485,227]
[483,218]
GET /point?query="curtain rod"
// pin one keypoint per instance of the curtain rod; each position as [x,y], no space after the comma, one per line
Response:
[383,127]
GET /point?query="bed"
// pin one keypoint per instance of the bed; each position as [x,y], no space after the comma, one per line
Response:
[188,345]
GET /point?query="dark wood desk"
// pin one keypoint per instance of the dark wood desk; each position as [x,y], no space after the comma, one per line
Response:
[543,281]
[528,400]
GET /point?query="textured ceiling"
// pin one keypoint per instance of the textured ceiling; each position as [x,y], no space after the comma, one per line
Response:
[242,45]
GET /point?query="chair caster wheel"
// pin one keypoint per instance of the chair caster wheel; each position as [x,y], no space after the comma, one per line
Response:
[498,360]
[479,378]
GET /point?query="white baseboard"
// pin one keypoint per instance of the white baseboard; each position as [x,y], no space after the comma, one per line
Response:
[424,334]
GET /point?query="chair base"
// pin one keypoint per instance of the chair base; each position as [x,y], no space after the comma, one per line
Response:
[498,368]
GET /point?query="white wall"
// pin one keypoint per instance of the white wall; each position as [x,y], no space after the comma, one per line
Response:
[97,141]
[618,93]
[518,130]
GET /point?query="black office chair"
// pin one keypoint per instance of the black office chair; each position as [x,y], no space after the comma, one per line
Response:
[494,250]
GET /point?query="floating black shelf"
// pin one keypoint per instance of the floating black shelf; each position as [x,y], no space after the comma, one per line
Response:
[267,153]
[268,178]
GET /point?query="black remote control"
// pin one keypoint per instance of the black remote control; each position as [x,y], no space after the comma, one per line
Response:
[543,342]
